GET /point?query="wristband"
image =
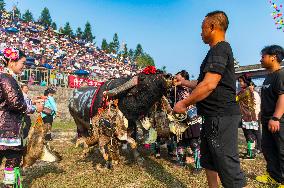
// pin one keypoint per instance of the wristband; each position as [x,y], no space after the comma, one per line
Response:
[275,119]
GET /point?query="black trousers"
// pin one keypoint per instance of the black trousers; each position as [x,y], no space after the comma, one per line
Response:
[28,124]
[13,158]
[273,151]
[219,149]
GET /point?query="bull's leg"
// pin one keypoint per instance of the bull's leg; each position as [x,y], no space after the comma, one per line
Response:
[114,151]
[136,154]
[103,141]
[131,139]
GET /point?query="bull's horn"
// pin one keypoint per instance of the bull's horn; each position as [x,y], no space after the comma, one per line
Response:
[127,85]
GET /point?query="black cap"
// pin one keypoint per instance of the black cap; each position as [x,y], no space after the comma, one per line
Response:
[49,90]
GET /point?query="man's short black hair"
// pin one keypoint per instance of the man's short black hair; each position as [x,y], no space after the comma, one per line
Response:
[24,85]
[220,18]
[49,90]
[184,74]
[274,50]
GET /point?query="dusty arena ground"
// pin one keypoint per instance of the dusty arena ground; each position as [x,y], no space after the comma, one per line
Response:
[78,171]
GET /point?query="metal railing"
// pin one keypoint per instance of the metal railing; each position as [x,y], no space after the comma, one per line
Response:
[45,77]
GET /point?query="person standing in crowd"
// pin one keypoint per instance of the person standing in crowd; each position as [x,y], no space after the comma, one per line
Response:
[272,109]
[49,112]
[31,79]
[12,110]
[190,138]
[30,110]
[215,96]
[249,101]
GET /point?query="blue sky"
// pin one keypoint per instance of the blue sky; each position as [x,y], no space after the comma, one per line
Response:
[169,30]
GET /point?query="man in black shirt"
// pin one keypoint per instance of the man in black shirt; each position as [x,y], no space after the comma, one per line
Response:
[215,96]
[272,109]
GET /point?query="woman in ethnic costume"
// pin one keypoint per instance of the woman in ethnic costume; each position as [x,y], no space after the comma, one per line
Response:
[190,138]
[249,101]
[12,110]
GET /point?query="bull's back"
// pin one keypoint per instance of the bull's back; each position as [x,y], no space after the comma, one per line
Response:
[80,102]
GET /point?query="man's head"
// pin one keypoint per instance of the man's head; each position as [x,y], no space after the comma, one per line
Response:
[49,92]
[271,55]
[214,25]
[182,75]
[25,88]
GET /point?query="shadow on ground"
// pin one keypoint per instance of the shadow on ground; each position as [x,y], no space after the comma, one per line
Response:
[38,171]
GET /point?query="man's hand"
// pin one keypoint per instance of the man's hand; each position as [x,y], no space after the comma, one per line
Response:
[180,107]
[273,126]
[176,82]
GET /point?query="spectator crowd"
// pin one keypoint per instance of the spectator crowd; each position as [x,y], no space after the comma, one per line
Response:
[60,55]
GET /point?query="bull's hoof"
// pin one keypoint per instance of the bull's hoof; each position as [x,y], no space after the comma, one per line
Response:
[108,165]
[104,167]
[101,168]
[140,161]
[158,155]
[81,142]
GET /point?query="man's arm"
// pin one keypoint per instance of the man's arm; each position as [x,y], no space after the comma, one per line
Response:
[202,90]
[189,83]
[274,126]
[279,109]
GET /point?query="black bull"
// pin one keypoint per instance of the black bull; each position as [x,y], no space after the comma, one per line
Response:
[134,103]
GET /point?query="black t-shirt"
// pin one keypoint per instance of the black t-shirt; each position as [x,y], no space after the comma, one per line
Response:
[273,86]
[222,101]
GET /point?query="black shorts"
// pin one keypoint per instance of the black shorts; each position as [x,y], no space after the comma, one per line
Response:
[48,119]
[219,149]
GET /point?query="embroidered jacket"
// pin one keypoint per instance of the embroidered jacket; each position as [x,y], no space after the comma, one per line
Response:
[12,109]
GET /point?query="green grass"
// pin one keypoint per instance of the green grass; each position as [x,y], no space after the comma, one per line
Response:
[63,126]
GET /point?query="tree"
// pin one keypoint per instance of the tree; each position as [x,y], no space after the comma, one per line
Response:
[88,35]
[104,45]
[15,12]
[115,43]
[111,47]
[54,26]
[138,51]
[28,16]
[2,6]
[125,51]
[145,60]
[79,32]
[61,30]
[131,55]
[67,30]
[45,17]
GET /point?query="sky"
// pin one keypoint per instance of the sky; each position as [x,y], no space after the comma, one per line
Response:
[169,30]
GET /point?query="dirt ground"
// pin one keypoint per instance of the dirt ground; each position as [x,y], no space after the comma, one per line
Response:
[76,170]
